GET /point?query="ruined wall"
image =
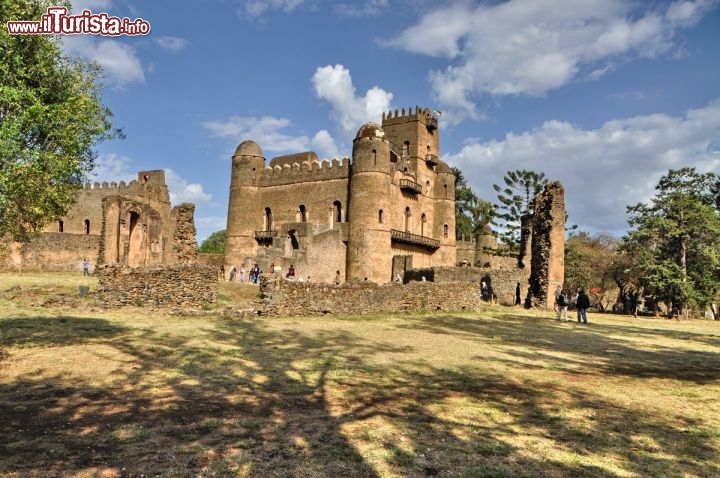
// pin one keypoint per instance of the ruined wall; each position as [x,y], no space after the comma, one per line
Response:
[548,246]
[51,251]
[284,298]
[185,248]
[168,286]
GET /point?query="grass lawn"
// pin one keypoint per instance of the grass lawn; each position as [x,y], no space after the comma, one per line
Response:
[86,392]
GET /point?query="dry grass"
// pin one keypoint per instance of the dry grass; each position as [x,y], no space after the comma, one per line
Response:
[132,392]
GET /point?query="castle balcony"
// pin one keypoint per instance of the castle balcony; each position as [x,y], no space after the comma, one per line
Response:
[431,159]
[265,236]
[432,123]
[407,238]
[410,186]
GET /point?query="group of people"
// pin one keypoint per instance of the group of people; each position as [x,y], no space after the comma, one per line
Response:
[240,275]
[581,303]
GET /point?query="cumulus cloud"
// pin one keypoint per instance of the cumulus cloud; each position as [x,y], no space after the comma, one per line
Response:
[181,191]
[605,169]
[268,133]
[93,5]
[112,167]
[334,84]
[367,8]
[529,48]
[257,8]
[119,61]
[172,44]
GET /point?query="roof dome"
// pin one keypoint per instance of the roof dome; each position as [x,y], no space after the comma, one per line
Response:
[370,130]
[248,148]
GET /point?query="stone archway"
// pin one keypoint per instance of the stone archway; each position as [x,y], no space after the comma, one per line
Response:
[137,250]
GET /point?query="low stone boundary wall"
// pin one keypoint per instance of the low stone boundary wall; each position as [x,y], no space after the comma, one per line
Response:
[285,298]
[50,252]
[190,285]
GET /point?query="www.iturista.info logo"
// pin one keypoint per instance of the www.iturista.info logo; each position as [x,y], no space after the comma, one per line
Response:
[57,22]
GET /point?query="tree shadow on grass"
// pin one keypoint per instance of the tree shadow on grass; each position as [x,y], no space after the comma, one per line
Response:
[55,331]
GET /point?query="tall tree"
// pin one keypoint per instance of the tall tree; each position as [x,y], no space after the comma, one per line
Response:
[676,239]
[590,262]
[471,212]
[51,117]
[215,243]
[515,200]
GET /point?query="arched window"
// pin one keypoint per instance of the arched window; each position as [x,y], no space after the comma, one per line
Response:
[407,219]
[406,148]
[87,226]
[380,216]
[268,219]
[61,226]
[303,214]
[292,234]
[337,207]
[423,222]
[427,187]
[446,228]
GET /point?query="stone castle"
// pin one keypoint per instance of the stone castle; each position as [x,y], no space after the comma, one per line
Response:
[389,208]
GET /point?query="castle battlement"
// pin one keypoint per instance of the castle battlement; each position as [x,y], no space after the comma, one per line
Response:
[402,116]
[307,171]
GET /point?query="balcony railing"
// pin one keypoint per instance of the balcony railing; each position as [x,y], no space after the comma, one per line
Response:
[410,186]
[265,235]
[431,159]
[432,123]
[406,237]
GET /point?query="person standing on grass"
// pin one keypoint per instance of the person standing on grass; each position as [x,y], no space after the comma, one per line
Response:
[561,304]
[518,301]
[86,267]
[232,274]
[583,303]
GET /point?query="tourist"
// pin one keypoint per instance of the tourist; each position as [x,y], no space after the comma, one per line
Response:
[232,274]
[517,294]
[582,302]
[484,291]
[291,272]
[561,304]
[86,267]
[338,278]
[242,273]
[272,267]
[222,271]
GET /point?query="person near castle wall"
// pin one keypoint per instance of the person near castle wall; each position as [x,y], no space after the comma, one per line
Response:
[561,303]
[242,273]
[582,302]
[291,272]
[338,278]
[231,277]
[86,267]
[518,301]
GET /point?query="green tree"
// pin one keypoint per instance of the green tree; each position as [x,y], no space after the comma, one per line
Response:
[515,200]
[51,117]
[471,212]
[214,244]
[675,242]
[590,263]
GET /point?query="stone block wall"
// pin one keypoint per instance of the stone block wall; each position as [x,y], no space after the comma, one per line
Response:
[548,246]
[291,299]
[185,248]
[189,285]
[50,251]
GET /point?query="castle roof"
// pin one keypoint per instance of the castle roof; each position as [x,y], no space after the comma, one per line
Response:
[248,148]
[442,167]
[370,130]
[289,159]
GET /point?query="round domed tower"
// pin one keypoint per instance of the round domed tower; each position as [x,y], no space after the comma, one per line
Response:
[368,251]
[248,165]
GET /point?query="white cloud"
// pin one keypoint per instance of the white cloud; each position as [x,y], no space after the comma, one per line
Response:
[529,48]
[334,84]
[173,44]
[367,8]
[605,169]
[256,8]
[96,6]
[119,61]
[112,167]
[268,133]
[181,191]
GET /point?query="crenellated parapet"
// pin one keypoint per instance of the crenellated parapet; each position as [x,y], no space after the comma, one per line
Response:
[307,171]
[424,115]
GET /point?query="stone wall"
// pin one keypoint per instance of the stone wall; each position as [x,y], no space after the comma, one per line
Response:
[548,246]
[50,251]
[502,282]
[290,299]
[188,285]
[185,248]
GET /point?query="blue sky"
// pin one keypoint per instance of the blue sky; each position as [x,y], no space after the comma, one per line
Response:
[603,95]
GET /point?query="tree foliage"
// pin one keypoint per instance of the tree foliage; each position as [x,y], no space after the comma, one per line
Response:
[590,262]
[515,200]
[214,244]
[51,117]
[675,242]
[471,212]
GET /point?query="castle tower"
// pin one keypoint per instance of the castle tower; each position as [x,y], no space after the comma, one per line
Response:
[415,135]
[368,249]
[244,218]
[444,225]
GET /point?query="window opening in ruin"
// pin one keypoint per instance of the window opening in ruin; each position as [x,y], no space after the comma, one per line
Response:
[337,206]
[446,228]
[407,219]
[268,219]
[292,234]
[374,155]
[427,187]
[87,226]
[145,178]
[423,221]
[380,216]
[445,188]
[303,213]
[61,226]
[406,148]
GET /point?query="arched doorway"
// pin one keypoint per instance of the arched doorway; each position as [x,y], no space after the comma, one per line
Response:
[136,243]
